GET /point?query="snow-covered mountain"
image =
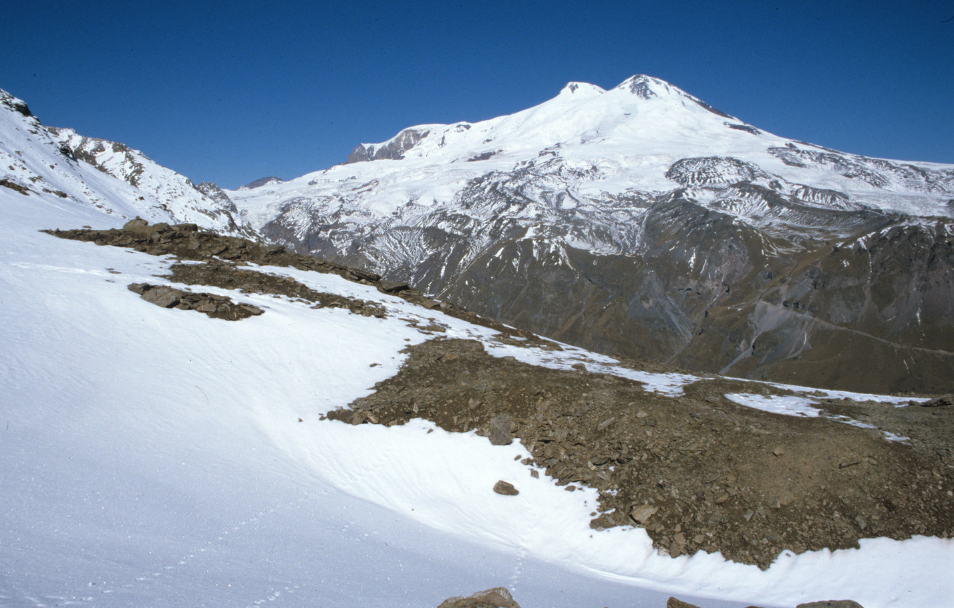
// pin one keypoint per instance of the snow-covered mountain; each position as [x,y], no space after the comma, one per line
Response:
[154,453]
[642,221]
[106,175]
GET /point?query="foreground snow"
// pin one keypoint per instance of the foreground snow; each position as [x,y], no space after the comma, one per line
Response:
[155,457]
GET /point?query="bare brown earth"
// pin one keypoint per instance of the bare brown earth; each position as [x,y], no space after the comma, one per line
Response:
[226,256]
[698,471]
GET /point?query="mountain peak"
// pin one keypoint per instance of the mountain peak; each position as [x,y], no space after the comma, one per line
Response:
[644,87]
[580,89]
[262,181]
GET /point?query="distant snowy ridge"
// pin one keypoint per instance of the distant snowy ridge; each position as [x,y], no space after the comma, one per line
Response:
[106,175]
[641,203]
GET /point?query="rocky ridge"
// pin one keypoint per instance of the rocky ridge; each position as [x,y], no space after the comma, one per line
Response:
[698,471]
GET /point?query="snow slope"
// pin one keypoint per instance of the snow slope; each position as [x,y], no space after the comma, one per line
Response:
[155,457]
[103,174]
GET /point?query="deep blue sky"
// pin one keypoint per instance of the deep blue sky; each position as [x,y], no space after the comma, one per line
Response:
[232,91]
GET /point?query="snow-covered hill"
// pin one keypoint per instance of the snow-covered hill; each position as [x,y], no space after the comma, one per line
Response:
[154,456]
[105,175]
[619,220]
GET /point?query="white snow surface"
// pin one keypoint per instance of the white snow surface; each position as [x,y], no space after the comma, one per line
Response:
[777,404]
[154,457]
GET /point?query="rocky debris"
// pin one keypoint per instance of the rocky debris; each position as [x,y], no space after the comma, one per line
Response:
[505,488]
[393,286]
[696,471]
[939,402]
[641,514]
[217,307]
[498,597]
[831,604]
[15,186]
[674,603]
[230,276]
[188,242]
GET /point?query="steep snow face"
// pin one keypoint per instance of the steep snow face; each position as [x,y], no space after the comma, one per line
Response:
[105,175]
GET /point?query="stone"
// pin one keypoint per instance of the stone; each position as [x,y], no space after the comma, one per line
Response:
[166,297]
[939,402]
[252,310]
[507,489]
[601,426]
[206,307]
[642,513]
[135,225]
[498,597]
[500,429]
[393,286]
[674,603]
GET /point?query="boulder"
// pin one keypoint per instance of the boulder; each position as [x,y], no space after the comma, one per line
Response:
[507,489]
[500,429]
[166,297]
[939,402]
[498,597]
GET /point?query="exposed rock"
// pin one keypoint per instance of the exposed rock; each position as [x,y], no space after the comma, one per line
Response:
[831,604]
[163,296]
[14,186]
[500,428]
[642,513]
[393,286]
[674,603]
[185,242]
[218,307]
[703,463]
[498,597]
[505,488]
[939,402]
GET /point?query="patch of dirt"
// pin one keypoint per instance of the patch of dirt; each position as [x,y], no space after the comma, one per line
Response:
[229,276]
[15,187]
[698,471]
[187,242]
[217,307]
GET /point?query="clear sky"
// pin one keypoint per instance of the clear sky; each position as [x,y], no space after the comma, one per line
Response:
[233,91]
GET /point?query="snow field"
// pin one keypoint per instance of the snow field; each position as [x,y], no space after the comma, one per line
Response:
[154,457]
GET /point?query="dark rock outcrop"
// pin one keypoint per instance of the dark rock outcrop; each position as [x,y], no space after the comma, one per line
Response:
[498,597]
